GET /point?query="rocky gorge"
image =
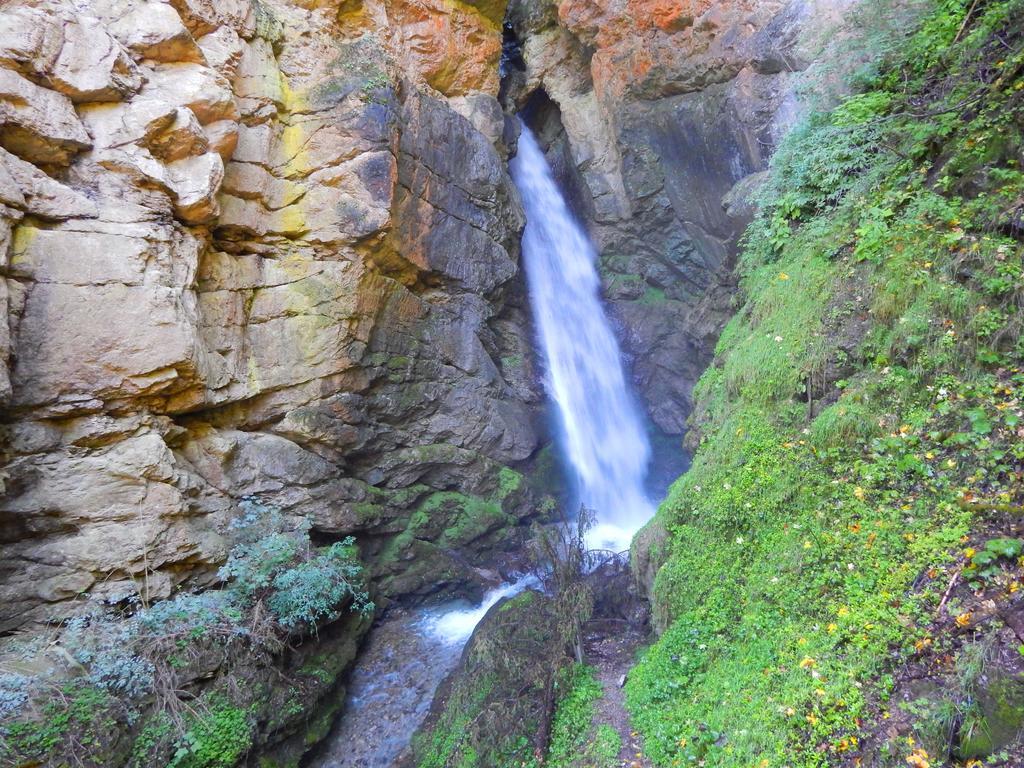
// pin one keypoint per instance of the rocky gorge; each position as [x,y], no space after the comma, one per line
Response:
[267,321]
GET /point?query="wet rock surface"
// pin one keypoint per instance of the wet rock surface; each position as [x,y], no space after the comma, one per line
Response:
[653,113]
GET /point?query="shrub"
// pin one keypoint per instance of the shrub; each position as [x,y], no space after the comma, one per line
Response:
[314,589]
[300,585]
[136,658]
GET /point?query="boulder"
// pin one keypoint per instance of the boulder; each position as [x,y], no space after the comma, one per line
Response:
[496,707]
[195,86]
[154,31]
[92,64]
[204,16]
[37,124]
[43,196]
[194,183]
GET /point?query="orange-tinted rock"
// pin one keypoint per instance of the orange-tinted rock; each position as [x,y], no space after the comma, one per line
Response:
[453,47]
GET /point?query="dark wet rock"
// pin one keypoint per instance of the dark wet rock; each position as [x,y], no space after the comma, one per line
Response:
[498,703]
[656,121]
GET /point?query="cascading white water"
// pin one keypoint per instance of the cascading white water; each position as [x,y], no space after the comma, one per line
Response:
[603,435]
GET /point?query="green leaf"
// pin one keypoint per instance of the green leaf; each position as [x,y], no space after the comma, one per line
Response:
[979,421]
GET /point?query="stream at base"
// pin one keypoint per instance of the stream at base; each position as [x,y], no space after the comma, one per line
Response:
[391,687]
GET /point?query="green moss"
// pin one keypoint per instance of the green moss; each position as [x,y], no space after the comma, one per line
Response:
[446,743]
[807,550]
[321,668]
[318,728]
[509,362]
[518,602]
[398,362]
[652,296]
[571,731]
[457,519]
[996,723]
[509,481]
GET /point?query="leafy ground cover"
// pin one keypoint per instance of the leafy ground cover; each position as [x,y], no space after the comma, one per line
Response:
[860,427]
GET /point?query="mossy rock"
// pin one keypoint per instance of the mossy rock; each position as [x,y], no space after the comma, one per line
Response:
[1000,721]
[491,712]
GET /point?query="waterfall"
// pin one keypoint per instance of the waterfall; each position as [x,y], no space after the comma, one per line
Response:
[601,433]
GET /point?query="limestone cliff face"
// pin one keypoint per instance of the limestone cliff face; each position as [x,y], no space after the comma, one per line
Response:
[270,247]
[659,115]
[249,246]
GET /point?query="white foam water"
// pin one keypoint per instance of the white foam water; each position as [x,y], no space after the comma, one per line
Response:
[602,434]
[453,626]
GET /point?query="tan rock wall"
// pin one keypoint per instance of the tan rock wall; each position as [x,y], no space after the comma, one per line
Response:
[244,248]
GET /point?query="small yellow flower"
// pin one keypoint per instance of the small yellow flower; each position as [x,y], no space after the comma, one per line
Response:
[843,611]
[859,493]
[807,544]
[918,759]
[963,619]
[783,276]
[832,627]
[808,663]
[811,718]
[970,552]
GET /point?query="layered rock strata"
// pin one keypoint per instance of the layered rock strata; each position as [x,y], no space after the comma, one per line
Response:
[253,248]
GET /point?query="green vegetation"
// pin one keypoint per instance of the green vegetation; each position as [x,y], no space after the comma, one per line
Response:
[861,415]
[74,719]
[986,564]
[138,660]
[217,738]
[574,742]
[277,566]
